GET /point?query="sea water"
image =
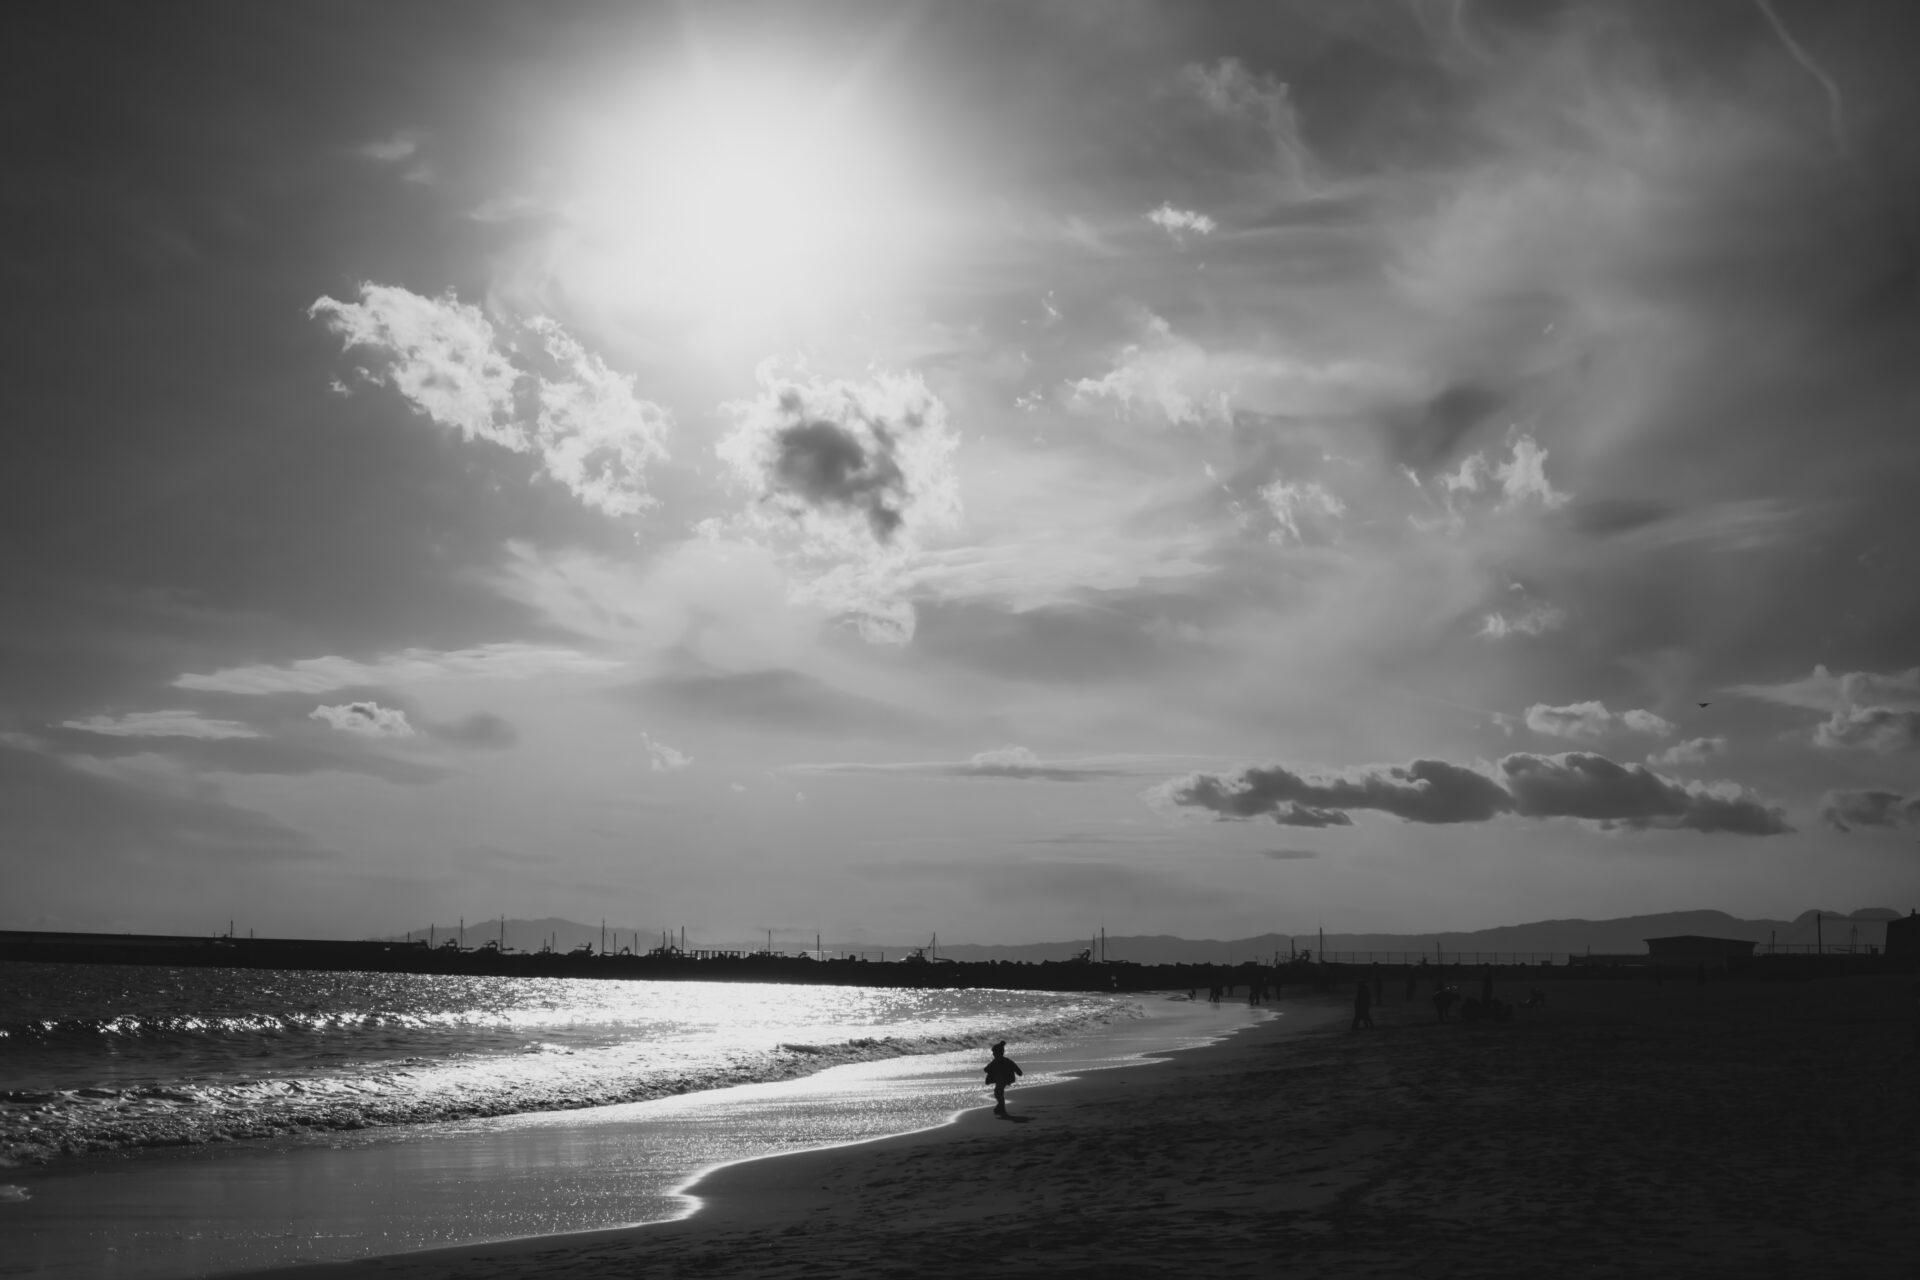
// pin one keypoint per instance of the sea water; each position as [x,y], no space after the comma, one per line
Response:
[110,1057]
[226,1120]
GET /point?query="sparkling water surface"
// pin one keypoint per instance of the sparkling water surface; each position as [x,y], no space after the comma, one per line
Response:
[101,1058]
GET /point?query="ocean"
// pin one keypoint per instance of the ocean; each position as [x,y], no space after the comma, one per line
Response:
[104,1058]
[165,1123]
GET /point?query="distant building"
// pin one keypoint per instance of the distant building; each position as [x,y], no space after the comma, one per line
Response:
[1691,949]
[1903,937]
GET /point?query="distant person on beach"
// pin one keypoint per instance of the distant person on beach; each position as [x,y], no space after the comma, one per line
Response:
[1443,1000]
[1362,1006]
[1001,1072]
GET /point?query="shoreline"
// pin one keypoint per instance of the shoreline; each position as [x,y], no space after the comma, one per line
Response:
[1627,1129]
[779,1190]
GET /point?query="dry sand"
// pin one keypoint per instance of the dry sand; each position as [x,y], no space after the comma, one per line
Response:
[1627,1129]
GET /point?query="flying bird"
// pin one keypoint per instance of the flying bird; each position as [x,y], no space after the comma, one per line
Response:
[1703,704]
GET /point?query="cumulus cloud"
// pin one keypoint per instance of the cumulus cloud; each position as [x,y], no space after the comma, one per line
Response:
[1289,501]
[591,432]
[1431,791]
[595,435]
[1013,762]
[1593,720]
[662,758]
[1691,751]
[506,661]
[1579,784]
[369,719]
[1882,729]
[1519,480]
[1849,809]
[1866,710]
[1535,620]
[843,480]
[161,724]
[440,355]
[1179,223]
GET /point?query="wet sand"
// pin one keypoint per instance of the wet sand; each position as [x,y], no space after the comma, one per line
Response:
[1627,1129]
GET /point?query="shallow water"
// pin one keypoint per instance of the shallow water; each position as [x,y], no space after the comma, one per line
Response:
[102,1058]
[156,1215]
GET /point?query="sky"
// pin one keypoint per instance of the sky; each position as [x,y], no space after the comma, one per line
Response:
[996,469]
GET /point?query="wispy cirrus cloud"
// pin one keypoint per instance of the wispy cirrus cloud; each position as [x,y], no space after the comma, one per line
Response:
[162,724]
[503,661]
[1867,710]
[1012,762]
[1534,620]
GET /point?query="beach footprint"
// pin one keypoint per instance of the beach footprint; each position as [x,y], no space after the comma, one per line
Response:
[10,1192]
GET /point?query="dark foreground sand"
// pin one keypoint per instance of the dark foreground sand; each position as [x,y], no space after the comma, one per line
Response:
[1625,1130]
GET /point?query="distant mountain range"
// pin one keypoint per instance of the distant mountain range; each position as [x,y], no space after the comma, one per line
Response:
[1626,935]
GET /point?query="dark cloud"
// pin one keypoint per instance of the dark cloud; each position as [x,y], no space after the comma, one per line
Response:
[1289,855]
[1849,809]
[1422,791]
[1579,784]
[827,465]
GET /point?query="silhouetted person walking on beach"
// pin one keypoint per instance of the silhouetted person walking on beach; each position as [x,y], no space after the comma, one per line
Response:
[1362,1006]
[1443,1000]
[1001,1072]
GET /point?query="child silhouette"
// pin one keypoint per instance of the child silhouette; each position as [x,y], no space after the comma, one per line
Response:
[1000,1073]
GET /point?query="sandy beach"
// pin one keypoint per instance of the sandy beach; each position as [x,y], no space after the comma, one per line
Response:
[1625,1129]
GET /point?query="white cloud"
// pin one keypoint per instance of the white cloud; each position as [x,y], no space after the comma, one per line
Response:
[1290,501]
[591,432]
[843,480]
[662,758]
[1536,620]
[596,436]
[1592,720]
[440,357]
[390,150]
[161,724]
[1648,723]
[1524,476]
[1691,751]
[1171,378]
[1867,710]
[1178,223]
[369,719]
[738,788]
[506,661]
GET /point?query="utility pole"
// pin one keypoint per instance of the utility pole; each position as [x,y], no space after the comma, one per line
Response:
[1819,945]
[463,933]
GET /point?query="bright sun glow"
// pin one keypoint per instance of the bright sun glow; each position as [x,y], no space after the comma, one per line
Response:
[742,198]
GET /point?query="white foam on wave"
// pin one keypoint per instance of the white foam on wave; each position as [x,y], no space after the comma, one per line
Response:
[8,1191]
